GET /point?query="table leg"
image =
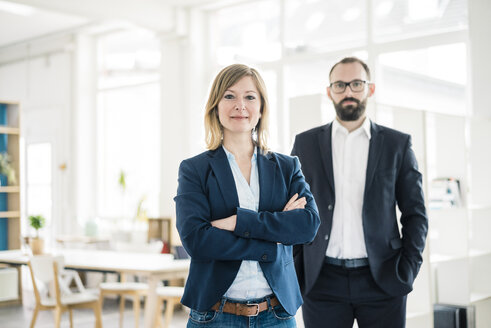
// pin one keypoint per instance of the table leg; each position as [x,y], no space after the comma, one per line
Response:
[151,302]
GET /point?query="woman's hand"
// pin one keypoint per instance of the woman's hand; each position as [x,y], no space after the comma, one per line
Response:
[230,222]
[226,223]
[295,203]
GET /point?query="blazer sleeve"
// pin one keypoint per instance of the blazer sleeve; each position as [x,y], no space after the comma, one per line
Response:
[290,227]
[199,238]
[414,221]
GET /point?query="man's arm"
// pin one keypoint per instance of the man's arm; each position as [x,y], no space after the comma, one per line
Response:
[414,221]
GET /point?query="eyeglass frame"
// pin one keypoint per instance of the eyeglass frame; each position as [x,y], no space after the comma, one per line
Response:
[348,84]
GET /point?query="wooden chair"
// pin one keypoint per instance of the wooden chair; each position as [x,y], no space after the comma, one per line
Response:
[122,289]
[45,269]
[171,295]
[66,277]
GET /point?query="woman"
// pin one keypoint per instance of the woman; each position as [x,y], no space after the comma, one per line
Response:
[239,210]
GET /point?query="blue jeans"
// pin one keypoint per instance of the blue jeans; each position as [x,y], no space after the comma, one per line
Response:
[272,317]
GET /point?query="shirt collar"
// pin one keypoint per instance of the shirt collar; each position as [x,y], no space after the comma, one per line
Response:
[231,156]
[336,126]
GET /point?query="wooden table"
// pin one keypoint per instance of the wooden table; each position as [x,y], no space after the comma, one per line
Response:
[73,241]
[155,267]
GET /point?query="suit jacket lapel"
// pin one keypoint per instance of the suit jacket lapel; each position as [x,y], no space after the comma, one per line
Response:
[225,178]
[267,173]
[374,152]
[326,153]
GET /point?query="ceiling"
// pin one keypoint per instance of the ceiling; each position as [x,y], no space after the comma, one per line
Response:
[22,20]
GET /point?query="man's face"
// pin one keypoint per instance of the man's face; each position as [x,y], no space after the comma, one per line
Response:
[350,105]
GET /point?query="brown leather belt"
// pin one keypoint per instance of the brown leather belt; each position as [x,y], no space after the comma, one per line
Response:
[248,310]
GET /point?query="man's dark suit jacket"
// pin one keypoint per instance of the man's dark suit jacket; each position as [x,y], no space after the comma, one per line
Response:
[207,192]
[392,179]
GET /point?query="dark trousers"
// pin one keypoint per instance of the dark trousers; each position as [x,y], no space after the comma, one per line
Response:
[342,295]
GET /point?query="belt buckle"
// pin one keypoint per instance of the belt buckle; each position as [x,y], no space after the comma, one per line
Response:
[257,310]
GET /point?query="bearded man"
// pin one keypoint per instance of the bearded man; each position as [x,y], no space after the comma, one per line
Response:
[360,265]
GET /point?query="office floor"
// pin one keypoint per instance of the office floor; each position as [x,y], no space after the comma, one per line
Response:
[20,316]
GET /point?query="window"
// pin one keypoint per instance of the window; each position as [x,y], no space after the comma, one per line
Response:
[304,78]
[314,26]
[247,33]
[128,124]
[128,58]
[300,40]
[428,78]
[399,19]
[271,80]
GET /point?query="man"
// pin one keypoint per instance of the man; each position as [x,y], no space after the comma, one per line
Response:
[359,266]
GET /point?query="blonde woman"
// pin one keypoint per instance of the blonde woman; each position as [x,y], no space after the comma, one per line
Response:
[239,209]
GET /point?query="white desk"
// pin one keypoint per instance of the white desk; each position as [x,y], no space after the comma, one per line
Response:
[155,267]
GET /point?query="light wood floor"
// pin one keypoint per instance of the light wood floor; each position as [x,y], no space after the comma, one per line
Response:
[20,316]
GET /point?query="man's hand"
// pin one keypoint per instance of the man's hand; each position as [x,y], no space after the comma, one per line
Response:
[295,203]
[226,223]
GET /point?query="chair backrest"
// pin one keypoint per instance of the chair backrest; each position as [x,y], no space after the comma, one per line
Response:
[42,268]
[43,271]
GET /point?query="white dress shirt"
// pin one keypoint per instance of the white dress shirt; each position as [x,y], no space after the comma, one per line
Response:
[250,282]
[349,160]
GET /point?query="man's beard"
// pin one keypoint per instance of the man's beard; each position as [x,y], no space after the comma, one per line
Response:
[350,112]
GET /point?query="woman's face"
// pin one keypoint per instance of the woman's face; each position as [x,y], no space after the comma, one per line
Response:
[239,110]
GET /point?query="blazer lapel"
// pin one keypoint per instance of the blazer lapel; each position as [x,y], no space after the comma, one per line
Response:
[266,168]
[326,153]
[225,178]
[374,152]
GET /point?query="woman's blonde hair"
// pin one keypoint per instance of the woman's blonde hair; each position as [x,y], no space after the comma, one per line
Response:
[224,80]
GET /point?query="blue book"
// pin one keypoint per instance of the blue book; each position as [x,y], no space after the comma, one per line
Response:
[4,222]
[3,122]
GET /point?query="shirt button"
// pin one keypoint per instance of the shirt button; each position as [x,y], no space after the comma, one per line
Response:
[264,257]
[330,207]
[326,237]
[247,234]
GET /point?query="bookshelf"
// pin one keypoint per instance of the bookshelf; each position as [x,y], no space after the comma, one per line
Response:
[10,192]
[10,210]
[458,259]
[460,235]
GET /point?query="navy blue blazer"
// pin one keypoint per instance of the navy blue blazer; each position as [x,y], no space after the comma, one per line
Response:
[207,192]
[392,179]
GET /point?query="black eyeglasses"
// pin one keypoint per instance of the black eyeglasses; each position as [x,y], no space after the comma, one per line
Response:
[355,86]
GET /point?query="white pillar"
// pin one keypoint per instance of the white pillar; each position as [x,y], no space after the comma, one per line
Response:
[183,100]
[84,130]
[174,130]
[479,50]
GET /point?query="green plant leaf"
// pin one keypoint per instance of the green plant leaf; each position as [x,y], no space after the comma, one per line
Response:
[37,222]
[122,180]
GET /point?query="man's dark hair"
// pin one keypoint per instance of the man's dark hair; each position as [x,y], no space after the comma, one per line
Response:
[349,60]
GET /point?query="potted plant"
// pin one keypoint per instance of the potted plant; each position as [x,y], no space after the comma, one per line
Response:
[36,243]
